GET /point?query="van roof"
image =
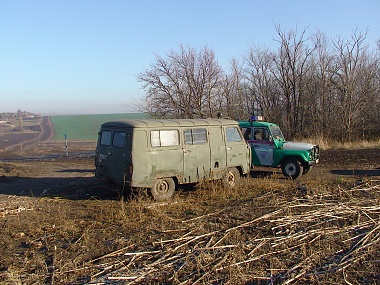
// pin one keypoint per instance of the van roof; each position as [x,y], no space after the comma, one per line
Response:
[169,123]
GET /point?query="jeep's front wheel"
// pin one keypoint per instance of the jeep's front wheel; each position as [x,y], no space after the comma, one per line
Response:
[163,189]
[292,168]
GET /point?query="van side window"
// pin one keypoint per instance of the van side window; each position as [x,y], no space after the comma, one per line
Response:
[105,138]
[195,136]
[119,139]
[233,134]
[164,138]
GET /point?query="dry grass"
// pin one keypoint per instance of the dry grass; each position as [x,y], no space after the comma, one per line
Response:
[326,143]
[263,232]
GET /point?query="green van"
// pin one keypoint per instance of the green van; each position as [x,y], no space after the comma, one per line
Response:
[162,154]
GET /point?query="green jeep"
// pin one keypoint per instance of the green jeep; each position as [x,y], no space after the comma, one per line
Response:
[269,148]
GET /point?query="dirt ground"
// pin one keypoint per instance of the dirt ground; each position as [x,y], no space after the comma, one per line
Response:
[29,167]
[46,169]
[62,226]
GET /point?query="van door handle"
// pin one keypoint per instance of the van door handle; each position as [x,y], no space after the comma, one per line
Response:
[109,153]
[186,150]
[229,147]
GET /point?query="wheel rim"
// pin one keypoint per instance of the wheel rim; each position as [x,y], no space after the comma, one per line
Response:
[290,169]
[163,187]
[231,179]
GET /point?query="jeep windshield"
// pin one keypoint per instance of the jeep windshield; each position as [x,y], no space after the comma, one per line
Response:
[276,133]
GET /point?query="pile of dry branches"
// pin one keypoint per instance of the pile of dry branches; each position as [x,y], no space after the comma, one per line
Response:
[317,236]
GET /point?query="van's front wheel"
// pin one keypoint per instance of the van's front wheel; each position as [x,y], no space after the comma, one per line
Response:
[163,189]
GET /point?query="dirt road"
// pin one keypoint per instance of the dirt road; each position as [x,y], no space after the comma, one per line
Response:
[12,141]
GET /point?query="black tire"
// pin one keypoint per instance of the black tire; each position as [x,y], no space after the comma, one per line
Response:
[163,189]
[231,177]
[292,168]
[306,169]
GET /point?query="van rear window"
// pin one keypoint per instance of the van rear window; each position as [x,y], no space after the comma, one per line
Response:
[195,136]
[164,138]
[105,138]
[119,139]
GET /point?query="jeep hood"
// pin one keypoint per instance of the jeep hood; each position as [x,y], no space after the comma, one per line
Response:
[297,146]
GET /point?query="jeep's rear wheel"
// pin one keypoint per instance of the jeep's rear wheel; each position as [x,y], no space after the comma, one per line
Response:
[163,189]
[292,168]
[231,177]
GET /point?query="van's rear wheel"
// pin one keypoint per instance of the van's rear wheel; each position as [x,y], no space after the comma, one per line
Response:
[163,189]
[292,168]
[231,177]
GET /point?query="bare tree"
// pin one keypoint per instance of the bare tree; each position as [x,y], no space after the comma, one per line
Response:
[353,83]
[262,87]
[291,69]
[322,118]
[310,86]
[183,85]
[231,98]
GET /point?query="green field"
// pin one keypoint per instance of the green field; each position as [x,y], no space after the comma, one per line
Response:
[86,127]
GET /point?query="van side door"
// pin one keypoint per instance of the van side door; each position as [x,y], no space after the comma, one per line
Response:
[196,154]
[166,154]
[218,150]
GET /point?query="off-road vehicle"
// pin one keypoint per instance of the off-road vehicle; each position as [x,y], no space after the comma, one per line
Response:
[269,148]
[162,154]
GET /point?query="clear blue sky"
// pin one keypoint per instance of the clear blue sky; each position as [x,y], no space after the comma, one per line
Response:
[74,56]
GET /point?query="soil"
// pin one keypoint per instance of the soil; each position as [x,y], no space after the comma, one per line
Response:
[37,173]
[47,169]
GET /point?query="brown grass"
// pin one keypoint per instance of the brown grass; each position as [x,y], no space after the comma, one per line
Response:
[263,232]
[326,143]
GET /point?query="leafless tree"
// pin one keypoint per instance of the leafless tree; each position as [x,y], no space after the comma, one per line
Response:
[183,85]
[232,99]
[310,86]
[291,69]
[353,83]
[263,92]
[320,105]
